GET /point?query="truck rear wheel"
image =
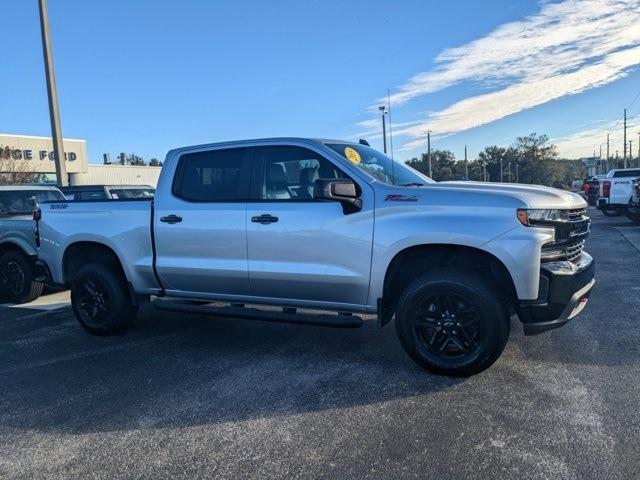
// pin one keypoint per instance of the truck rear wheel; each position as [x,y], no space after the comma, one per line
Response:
[101,301]
[613,211]
[452,323]
[17,278]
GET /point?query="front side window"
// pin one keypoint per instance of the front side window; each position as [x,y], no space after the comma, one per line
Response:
[290,173]
[213,176]
[379,166]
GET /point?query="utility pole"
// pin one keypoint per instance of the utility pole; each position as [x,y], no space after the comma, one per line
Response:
[638,149]
[608,150]
[382,108]
[429,153]
[630,152]
[466,164]
[390,123]
[517,179]
[54,113]
[624,156]
[501,179]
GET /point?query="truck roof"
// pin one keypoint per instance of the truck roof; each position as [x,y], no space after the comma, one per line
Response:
[263,140]
[92,187]
[13,188]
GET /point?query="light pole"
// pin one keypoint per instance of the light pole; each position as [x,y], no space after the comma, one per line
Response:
[54,113]
[466,164]
[383,109]
[429,153]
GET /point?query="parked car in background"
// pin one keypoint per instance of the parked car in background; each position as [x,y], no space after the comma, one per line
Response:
[615,191]
[633,211]
[107,192]
[330,225]
[20,279]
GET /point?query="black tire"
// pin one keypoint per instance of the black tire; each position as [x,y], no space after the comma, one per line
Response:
[613,211]
[634,217]
[17,278]
[101,301]
[456,344]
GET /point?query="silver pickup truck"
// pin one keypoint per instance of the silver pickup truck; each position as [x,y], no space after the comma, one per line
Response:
[328,225]
[20,279]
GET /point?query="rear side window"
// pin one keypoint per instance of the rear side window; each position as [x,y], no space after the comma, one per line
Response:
[627,173]
[23,201]
[127,193]
[213,176]
[90,195]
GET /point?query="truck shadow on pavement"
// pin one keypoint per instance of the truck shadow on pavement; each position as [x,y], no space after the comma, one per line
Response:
[179,370]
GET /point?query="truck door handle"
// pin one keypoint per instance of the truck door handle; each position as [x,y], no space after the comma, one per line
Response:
[264,219]
[171,219]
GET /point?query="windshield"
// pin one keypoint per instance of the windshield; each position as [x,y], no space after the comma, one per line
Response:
[17,202]
[379,166]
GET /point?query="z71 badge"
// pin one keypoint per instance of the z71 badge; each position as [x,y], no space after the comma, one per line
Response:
[401,198]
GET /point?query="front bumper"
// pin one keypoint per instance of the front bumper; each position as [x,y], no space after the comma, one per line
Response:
[563,293]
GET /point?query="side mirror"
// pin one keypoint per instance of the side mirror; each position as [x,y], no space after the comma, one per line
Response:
[340,190]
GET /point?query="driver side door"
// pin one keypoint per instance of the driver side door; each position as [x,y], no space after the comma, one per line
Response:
[302,250]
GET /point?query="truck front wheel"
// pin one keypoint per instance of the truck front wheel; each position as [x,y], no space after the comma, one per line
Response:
[101,301]
[452,323]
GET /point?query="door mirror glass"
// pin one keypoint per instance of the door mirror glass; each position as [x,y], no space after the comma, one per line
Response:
[341,190]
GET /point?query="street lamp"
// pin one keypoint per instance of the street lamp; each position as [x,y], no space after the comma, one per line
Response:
[383,109]
[54,113]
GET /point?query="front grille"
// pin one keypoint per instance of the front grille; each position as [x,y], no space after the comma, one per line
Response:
[571,235]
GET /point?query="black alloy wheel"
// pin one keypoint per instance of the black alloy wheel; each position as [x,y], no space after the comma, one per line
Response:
[447,325]
[453,322]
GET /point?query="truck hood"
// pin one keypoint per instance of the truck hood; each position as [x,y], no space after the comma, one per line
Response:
[532,196]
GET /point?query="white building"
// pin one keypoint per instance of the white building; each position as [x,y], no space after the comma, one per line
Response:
[27,154]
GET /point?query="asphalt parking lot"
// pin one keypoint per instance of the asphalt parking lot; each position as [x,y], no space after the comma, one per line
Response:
[182,396]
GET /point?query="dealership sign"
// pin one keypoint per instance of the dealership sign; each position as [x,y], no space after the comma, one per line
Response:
[28,154]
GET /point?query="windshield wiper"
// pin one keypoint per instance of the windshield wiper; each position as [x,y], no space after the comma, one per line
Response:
[412,184]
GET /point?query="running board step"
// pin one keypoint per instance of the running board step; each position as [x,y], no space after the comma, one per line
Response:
[324,320]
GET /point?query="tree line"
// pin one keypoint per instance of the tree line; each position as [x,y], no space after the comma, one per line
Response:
[531,159]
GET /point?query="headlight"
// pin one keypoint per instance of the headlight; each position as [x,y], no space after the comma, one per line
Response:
[532,216]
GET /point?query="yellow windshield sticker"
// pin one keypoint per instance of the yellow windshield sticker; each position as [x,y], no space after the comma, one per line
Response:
[352,155]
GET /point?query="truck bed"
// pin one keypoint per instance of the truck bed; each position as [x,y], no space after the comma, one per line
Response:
[122,225]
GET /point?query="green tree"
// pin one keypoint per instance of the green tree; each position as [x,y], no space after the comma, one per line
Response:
[133,159]
[154,162]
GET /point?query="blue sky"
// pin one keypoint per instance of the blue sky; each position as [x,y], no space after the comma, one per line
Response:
[145,76]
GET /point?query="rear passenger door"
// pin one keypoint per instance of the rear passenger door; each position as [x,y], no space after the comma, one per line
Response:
[307,251]
[200,225]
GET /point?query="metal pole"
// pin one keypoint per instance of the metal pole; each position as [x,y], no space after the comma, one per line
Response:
[429,152]
[466,164]
[501,179]
[509,172]
[639,149]
[630,152]
[607,150]
[384,128]
[390,123]
[624,142]
[54,113]
[517,179]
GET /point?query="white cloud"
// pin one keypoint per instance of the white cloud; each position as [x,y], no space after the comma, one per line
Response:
[583,143]
[564,49]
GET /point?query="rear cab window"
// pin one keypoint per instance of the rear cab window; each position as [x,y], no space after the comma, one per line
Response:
[214,176]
